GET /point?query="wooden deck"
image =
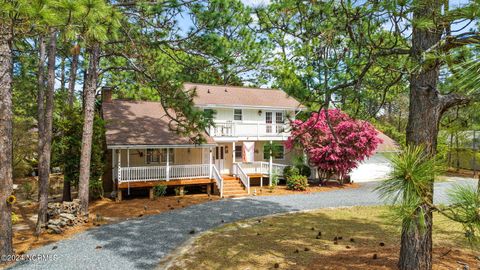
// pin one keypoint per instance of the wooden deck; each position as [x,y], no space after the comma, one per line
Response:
[257,175]
[182,182]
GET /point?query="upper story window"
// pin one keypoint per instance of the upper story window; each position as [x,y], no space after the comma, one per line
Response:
[237,114]
[209,111]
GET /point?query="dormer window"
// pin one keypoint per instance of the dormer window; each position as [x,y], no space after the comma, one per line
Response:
[237,115]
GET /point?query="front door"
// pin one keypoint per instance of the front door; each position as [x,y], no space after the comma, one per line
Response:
[220,158]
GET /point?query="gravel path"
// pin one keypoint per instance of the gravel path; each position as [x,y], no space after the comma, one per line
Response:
[141,243]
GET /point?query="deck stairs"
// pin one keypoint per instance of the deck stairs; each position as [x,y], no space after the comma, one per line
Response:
[233,187]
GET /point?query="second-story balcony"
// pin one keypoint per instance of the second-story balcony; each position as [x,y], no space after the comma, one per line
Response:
[250,130]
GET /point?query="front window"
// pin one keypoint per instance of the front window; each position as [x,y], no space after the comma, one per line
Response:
[237,115]
[277,151]
[238,152]
[159,156]
[153,156]
[164,156]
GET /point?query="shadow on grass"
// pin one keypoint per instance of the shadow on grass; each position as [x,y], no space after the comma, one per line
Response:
[293,242]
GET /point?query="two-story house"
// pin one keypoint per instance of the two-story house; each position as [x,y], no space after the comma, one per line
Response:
[244,147]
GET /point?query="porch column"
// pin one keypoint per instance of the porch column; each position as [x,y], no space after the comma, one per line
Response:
[168,164]
[210,158]
[114,166]
[119,164]
[270,163]
[128,157]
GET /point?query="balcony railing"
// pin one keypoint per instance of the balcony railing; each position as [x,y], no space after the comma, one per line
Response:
[233,129]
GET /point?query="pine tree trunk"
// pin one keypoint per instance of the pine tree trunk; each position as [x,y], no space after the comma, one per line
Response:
[6,137]
[73,75]
[425,110]
[75,51]
[46,135]
[89,112]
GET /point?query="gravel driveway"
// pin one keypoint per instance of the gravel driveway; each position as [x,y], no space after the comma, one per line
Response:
[141,243]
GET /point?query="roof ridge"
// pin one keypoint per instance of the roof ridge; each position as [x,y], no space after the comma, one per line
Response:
[235,86]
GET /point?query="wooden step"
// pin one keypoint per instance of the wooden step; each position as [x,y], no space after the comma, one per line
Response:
[232,184]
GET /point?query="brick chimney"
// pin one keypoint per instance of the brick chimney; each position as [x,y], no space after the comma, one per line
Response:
[107,94]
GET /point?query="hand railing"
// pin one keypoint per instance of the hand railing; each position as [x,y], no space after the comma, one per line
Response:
[243,176]
[218,179]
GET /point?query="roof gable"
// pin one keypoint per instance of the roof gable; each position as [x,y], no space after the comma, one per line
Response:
[237,96]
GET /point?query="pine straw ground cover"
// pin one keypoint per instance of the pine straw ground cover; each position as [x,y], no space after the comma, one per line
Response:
[365,239]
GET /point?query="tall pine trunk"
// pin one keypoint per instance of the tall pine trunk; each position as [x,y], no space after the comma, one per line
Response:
[45,135]
[426,108]
[75,51]
[6,137]
[89,113]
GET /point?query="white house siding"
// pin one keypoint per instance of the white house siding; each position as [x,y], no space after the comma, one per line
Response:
[182,156]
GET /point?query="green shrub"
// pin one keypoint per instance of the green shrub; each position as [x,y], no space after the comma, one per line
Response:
[96,188]
[178,191]
[27,189]
[290,171]
[304,170]
[159,190]
[274,182]
[297,182]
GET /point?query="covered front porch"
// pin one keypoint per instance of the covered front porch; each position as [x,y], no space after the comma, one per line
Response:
[148,166]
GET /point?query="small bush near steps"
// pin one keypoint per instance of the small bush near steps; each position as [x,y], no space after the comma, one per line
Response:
[297,182]
[159,190]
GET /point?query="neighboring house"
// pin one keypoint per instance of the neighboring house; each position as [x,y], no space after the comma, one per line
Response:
[144,152]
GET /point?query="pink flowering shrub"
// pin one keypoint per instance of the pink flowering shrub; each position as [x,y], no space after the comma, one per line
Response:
[355,141]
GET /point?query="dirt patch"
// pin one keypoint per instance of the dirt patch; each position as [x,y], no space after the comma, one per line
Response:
[348,238]
[282,190]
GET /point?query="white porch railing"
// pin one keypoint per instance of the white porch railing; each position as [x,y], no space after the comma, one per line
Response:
[174,172]
[218,179]
[233,129]
[237,170]
[262,167]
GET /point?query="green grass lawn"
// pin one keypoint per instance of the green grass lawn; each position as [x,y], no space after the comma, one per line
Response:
[292,241]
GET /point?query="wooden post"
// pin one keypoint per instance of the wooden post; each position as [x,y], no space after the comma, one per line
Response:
[261,181]
[168,164]
[182,190]
[119,195]
[209,189]
[150,193]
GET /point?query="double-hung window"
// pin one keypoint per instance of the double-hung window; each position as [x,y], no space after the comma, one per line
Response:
[237,115]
